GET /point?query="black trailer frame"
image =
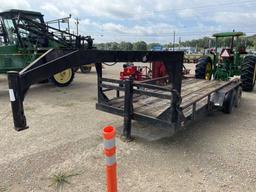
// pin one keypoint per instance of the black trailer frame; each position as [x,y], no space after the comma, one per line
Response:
[175,114]
[200,98]
[57,60]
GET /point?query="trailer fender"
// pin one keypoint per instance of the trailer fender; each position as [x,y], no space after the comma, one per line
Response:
[218,97]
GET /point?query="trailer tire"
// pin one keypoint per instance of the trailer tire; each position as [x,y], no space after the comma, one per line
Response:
[229,102]
[63,78]
[248,72]
[204,68]
[85,69]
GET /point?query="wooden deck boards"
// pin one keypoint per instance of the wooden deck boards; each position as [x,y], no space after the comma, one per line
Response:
[192,89]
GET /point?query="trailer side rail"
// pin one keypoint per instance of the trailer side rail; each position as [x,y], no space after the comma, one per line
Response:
[147,101]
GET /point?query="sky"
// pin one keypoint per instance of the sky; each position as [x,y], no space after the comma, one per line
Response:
[147,20]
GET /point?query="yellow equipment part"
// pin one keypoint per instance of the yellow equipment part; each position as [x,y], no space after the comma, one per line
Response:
[208,71]
[64,76]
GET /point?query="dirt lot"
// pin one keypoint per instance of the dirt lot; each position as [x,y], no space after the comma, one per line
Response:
[217,153]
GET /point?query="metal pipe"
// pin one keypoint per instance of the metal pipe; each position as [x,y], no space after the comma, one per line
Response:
[128,108]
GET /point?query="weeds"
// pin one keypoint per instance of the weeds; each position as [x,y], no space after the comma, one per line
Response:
[60,180]
[3,189]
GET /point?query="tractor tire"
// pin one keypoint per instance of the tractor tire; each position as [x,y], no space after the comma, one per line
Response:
[63,78]
[204,68]
[85,69]
[229,102]
[248,72]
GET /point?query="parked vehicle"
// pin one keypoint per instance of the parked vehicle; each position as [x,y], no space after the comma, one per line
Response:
[227,62]
[25,37]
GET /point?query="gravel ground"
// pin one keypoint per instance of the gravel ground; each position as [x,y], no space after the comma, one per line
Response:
[217,153]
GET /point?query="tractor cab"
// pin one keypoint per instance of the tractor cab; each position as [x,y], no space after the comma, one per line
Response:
[26,40]
[15,30]
[226,63]
[20,43]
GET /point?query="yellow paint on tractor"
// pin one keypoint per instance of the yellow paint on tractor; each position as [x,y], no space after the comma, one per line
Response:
[64,76]
[208,71]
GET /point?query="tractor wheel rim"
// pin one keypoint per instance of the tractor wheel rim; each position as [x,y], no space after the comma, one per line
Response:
[64,76]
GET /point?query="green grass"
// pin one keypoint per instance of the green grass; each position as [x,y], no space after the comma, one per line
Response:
[29,108]
[67,104]
[60,180]
[3,189]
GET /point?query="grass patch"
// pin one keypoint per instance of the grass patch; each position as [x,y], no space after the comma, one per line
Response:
[67,104]
[29,108]
[61,179]
[3,189]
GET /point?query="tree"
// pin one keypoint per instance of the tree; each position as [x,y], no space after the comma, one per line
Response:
[254,43]
[153,45]
[100,46]
[108,46]
[125,46]
[140,46]
[114,46]
[200,44]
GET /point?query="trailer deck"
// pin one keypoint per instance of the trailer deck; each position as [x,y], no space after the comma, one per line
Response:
[192,90]
[148,101]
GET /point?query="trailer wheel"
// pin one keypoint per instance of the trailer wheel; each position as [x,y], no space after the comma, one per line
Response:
[248,72]
[63,78]
[204,68]
[85,69]
[229,102]
[238,96]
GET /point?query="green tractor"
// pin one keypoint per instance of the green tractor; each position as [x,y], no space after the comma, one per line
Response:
[24,37]
[227,62]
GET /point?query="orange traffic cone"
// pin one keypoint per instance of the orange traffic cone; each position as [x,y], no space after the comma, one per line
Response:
[110,153]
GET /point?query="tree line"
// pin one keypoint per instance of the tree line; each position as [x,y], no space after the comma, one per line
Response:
[128,46]
[202,43]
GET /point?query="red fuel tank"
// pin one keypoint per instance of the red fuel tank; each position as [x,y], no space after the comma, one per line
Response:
[158,69]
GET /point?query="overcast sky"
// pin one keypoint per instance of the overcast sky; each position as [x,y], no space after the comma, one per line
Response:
[148,20]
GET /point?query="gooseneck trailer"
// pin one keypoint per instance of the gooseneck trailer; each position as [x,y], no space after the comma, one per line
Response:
[174,105]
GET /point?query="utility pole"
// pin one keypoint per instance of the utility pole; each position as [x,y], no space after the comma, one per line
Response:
[69,23]
[77,23]
[179,42]
[173,43]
